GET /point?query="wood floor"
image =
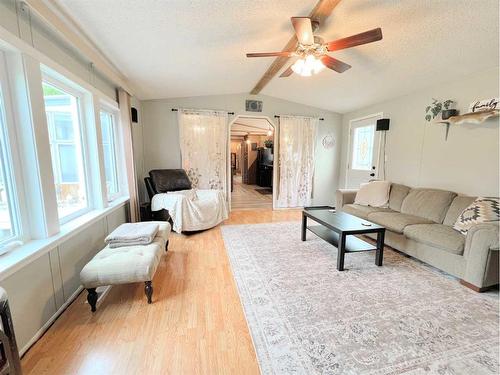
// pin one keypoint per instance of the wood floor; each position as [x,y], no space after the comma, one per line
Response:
[246,197]
[194,326]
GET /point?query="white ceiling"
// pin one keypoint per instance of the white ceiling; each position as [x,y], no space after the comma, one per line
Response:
[184,48]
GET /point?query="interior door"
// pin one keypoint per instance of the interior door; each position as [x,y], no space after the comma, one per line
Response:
[364,150]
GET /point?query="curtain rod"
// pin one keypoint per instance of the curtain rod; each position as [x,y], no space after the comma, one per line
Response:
[320,119]
[176,109]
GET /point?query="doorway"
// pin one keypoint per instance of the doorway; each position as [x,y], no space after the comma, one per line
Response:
[364,150]
[252,141]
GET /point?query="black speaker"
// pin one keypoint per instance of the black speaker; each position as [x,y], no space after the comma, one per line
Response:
[133,114]
[383,124]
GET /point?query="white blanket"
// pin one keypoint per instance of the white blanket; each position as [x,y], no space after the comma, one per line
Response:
[132,234]
[206,210]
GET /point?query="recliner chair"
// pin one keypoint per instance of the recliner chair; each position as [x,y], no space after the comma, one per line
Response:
[162,181]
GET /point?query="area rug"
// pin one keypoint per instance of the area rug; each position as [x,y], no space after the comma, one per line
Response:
[305,317]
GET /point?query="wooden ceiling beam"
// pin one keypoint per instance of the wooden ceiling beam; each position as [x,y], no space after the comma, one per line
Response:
[319,14]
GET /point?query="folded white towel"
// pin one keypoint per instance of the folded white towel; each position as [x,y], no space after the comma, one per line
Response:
[130,234]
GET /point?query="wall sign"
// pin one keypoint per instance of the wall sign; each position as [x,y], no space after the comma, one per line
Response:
[328,141]
[484,105]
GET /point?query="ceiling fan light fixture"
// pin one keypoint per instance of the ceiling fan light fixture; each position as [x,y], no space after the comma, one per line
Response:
[308,66]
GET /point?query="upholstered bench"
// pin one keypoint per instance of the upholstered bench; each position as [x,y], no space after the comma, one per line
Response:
[124,265]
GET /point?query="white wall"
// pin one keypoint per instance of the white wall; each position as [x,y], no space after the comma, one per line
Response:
[161,133]
[418,155]
[26,25]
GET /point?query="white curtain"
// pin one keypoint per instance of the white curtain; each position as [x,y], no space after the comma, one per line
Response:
[296,160]
[203,139]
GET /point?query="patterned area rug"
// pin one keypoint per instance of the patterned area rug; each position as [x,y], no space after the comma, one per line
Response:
[305,317]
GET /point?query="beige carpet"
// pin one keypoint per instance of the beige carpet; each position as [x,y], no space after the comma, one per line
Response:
[305,317]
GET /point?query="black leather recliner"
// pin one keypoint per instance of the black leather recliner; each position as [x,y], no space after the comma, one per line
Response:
[163,181]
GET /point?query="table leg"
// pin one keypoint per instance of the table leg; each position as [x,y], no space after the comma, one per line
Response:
[341,252]
[380,248]
[304,226]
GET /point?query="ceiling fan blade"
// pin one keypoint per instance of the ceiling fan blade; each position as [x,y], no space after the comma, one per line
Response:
[334,64]
[355,40]
[287,72]
[270,54]
[322,10]
[303,30]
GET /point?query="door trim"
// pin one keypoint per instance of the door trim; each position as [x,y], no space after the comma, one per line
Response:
[381,114]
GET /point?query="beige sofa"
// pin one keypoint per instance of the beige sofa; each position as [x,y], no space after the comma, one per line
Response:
[419,223]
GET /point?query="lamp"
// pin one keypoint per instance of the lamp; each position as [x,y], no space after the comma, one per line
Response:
[308,66]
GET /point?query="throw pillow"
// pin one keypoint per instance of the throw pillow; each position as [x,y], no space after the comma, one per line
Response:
[374,194]
[482,210]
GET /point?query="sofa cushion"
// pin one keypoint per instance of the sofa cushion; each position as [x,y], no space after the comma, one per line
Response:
[437,235]
[459,204]
[431,204]
[396,221]
[165,180]
[374,194]
[397,195]
[362,211]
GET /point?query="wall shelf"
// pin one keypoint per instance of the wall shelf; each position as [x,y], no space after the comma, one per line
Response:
[471,118]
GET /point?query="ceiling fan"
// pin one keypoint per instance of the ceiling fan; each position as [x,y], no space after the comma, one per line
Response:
[312,51]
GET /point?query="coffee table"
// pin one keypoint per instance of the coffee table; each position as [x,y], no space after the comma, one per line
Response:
[339,228]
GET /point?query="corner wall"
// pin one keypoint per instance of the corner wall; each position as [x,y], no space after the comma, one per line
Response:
[417,153]
[161,133]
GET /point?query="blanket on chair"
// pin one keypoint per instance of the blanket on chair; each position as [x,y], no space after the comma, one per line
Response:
[192,210]
[132,234]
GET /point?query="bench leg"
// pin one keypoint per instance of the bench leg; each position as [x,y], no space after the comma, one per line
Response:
[148,289]
[92,298]
[166,246]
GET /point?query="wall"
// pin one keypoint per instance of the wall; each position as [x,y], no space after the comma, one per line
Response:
[417,153]
[161,133]
[28,27]
[40,290]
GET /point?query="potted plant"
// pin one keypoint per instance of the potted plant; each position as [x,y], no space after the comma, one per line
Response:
[268,143]
[437,106]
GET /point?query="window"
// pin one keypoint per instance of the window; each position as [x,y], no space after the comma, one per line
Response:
[9,211]
[109,153]
[68,163]
[362,148]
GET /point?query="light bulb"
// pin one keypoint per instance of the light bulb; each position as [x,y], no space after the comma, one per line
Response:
[298,66]
[269,132]
[318,66]
[248,141]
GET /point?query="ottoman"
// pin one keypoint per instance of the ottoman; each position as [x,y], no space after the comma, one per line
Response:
[124,265]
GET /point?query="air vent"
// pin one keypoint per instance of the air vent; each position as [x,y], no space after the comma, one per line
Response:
[253,106]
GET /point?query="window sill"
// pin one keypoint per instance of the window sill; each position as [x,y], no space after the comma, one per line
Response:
[19,257]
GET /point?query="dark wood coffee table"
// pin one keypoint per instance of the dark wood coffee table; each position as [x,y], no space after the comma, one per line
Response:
[335,227]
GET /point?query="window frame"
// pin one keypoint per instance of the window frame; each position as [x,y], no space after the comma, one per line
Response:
[11,156]
[67,86]
[117,150]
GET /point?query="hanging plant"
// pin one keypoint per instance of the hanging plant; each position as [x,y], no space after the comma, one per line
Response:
[436,107]
[268,143]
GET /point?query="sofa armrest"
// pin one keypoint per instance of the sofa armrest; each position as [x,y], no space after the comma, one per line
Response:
[345,196]
[481,251]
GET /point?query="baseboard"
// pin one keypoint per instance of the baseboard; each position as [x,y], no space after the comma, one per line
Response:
[49,322]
